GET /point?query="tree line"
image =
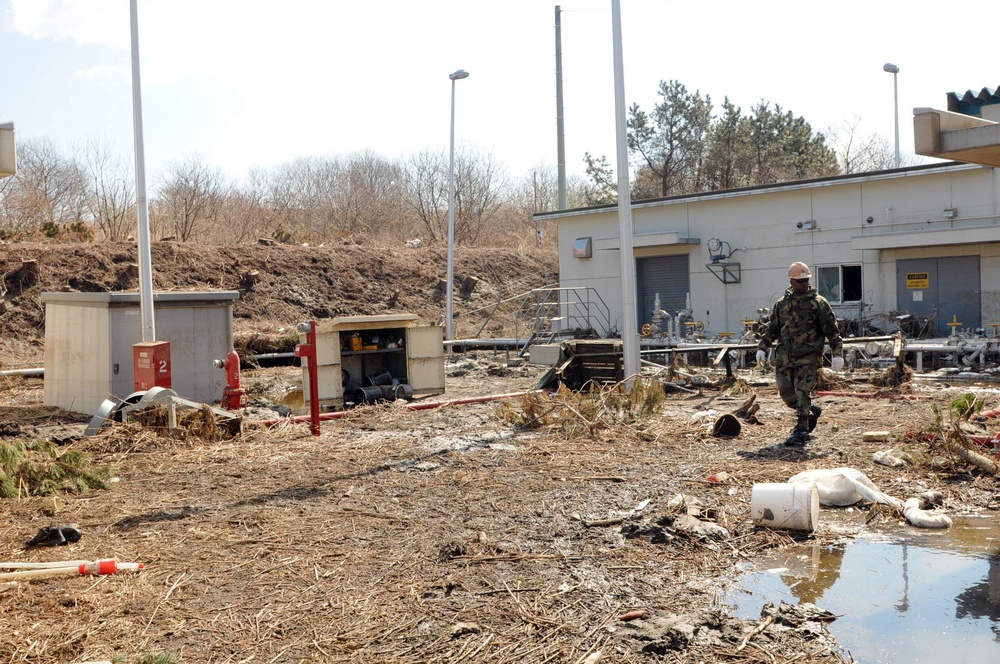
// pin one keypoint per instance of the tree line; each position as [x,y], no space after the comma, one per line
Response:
[681,146]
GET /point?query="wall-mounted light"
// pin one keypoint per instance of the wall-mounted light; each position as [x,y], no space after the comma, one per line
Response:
[583,247]
[949,213]
[719,250]
[808,225]
[870,220]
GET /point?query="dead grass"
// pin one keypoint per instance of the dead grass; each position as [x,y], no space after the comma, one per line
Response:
[456,534]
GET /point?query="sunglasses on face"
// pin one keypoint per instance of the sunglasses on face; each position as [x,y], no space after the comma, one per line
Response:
[800,281]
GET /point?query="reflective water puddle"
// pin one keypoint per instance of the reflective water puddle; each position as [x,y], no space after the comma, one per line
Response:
[902,595]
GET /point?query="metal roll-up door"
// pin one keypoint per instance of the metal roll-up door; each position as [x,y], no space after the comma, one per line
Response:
[669,276]
[946,288]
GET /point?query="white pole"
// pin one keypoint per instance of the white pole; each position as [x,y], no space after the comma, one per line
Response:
[894,70]
[145,263]
[450,285]
[895,104]
[630,331]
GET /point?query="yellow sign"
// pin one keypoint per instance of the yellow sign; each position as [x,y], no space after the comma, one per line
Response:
[917,280]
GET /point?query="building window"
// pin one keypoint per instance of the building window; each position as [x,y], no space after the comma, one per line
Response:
[839,283]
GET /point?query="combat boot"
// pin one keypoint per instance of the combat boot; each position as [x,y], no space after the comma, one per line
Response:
[816,411]
[800,434]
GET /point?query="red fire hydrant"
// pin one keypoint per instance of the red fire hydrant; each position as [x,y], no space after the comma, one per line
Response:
[234,396]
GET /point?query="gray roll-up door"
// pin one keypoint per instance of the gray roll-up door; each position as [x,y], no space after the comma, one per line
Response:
[947,288]
[669,276]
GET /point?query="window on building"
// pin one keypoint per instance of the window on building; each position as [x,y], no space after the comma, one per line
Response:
[839,283]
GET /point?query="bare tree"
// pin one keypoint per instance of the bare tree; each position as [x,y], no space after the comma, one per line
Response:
[427,192]
[369,195]
[481,191]
[864,154]
[247,213]
[111,201]
[192,194]
[302,196]
[48,191]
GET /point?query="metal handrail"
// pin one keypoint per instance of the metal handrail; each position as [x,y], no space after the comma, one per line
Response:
[579,311]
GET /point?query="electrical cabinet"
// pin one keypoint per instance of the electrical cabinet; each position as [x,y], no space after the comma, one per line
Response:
[366,359]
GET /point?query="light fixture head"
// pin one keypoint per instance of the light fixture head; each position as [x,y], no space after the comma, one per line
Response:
[891,68]
[461,73]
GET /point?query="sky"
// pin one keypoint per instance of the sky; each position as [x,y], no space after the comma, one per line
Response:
[246,84]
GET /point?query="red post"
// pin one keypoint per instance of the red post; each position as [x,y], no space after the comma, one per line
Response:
[307,351]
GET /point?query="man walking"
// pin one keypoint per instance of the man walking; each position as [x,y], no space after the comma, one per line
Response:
[801,323]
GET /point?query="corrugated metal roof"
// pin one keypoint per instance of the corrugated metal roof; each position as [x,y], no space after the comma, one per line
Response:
[970,102]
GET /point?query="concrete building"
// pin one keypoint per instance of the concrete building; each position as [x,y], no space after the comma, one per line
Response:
[922,240]
[8,150]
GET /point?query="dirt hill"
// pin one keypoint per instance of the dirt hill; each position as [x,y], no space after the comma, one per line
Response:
[279,285]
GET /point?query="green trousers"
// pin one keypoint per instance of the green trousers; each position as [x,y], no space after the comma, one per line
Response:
[796,380]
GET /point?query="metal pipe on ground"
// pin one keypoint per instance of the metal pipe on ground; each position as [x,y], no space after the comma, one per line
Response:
[37,371]
[872,395]
[425,405]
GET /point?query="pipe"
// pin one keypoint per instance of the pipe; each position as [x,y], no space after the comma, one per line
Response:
[423,405]
[37,371]
[872,395]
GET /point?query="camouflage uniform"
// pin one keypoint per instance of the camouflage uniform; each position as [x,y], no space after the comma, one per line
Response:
[800,323]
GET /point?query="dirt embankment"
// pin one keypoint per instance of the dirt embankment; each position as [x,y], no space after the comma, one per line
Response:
[279,285]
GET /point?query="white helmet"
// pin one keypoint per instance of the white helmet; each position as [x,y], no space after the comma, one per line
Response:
[799,270]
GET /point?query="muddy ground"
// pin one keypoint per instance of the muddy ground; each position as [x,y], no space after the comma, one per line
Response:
[521,529]
[450,534]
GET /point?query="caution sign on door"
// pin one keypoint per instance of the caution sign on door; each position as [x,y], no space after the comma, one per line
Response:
[917,280]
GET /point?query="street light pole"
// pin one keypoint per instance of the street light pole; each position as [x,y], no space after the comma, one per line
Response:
[894,70]
[450,285]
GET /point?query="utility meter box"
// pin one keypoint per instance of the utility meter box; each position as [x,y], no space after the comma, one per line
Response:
[90,340]
[362,359]
[151,365]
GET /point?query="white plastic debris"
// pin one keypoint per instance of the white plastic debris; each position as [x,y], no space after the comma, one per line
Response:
[844,486]
[922,518]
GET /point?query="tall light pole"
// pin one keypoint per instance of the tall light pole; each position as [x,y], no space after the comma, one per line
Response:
[894,70]
[450,286]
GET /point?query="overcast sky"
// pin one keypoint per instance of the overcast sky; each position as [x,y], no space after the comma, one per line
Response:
[244,83]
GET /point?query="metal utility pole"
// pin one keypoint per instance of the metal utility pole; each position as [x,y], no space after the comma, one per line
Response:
[630,325]
[560,127]
[145,262]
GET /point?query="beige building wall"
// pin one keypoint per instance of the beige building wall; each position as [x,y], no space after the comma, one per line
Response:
[871,220]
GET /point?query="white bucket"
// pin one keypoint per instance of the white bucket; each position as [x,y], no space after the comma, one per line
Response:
[788,506]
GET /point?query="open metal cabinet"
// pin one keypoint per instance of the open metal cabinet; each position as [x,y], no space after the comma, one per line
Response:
[366,359]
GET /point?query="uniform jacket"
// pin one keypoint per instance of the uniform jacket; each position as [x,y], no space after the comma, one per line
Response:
[801,324]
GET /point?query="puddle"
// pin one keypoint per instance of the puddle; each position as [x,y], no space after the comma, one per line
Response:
[902,594]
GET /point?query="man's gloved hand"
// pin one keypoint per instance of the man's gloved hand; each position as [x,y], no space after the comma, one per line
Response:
[761,356]
[837,363]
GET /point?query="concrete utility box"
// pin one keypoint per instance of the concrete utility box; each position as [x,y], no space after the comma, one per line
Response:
[356,352]
[89,339]
[8,150]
